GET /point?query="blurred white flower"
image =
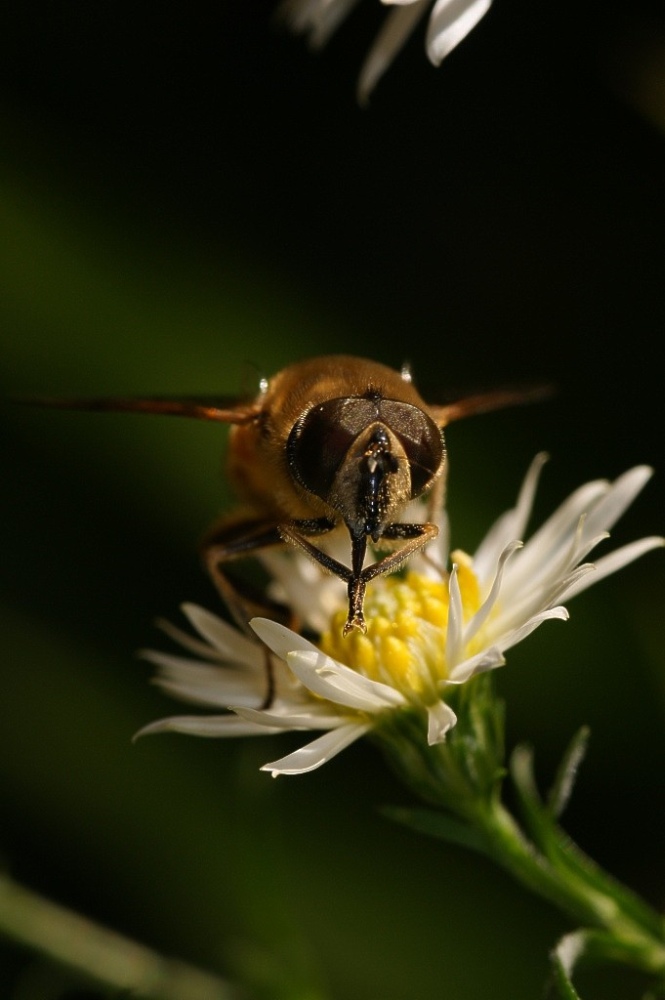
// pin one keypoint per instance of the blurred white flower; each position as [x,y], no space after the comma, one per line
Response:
[427,630]
[450,21]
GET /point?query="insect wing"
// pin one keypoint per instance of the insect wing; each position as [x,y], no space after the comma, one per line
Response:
[223,409]
[485,402]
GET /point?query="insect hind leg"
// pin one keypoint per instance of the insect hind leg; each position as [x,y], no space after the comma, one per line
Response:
[235,539]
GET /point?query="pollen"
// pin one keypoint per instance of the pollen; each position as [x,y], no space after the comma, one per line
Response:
[407,619]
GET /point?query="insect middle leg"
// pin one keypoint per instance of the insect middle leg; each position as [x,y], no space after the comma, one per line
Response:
[238,538]
[228,541]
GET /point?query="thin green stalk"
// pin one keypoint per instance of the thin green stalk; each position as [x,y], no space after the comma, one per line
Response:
[99,955]
[629,941]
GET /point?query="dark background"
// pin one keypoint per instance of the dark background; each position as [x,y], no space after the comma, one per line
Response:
[189,197]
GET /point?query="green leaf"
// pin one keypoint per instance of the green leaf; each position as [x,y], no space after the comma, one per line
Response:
[564,959]
[590,947]
[439,825]
[563,853]
[536,819]
[564,780]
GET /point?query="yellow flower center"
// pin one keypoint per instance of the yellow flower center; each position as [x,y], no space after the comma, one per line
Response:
[407,618]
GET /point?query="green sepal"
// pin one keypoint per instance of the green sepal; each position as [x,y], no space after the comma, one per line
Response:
[465,770]
[477,741]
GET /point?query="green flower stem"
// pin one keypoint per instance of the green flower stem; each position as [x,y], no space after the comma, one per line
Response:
[99,955]
[629,940]
[460,779]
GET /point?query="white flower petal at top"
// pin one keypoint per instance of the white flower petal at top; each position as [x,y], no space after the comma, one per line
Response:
[393,35]
[427,631]
[449,23]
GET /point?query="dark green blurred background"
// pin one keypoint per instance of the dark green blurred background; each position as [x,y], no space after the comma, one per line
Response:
[190,198]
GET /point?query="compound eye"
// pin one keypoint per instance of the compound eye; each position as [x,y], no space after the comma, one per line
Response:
[420,437]
[320,440]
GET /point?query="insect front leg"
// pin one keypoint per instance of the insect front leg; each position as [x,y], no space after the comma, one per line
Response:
[415,537]
[352,577]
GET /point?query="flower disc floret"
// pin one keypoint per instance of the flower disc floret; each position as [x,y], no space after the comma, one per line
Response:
[405,620]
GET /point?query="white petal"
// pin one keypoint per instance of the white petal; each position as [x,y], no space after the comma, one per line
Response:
[280,639]
[205,683]
[556,532]
[614,561]
[396,29]
[571,584]
[522,510]
[550,552]
[290,720]
[536,596]
[321,750]
[187,641]
[332,14]
[488,659]
[300,15]
[450,23]
[177,665]
[584,543]
[483,612]
[303,586]
[440,548]
[440,718]
[332,680]
[516,635]
[618,498]
[213,699]
[206,725]
[226,639]
[455,622]
[545,593]
[432,561]
[182,668]
[511,526]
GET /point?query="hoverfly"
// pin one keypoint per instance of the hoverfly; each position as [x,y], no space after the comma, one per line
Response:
[331,442]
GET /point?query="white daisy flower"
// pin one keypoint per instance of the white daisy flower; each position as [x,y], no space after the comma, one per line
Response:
[450,21]
[428,630]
